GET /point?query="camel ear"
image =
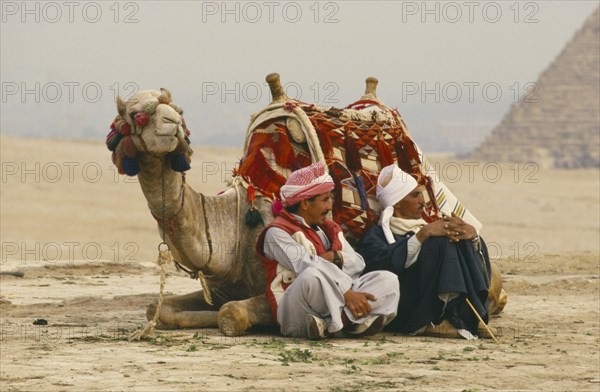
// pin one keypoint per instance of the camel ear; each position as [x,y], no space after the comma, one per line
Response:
[121,107]
[165,96]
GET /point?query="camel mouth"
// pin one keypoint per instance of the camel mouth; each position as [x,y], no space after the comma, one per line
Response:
[168,131]
[166,135]
[167,127]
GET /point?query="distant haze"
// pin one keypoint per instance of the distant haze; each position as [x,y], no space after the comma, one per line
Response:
[451,68]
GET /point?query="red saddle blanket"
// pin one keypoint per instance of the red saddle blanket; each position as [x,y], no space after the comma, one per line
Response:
[355,143]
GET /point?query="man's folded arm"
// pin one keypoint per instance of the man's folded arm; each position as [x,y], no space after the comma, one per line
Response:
[280,246]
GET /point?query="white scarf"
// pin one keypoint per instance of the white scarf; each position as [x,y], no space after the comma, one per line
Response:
[402,226]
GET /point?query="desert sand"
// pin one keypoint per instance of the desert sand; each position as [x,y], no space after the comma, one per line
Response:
[86,243]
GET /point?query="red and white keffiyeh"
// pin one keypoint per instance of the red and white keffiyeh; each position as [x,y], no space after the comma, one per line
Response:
[307,182]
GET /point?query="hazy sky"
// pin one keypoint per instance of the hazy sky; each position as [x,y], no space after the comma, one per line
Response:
[451,68]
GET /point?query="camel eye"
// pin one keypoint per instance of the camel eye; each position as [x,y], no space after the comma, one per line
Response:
[132,115]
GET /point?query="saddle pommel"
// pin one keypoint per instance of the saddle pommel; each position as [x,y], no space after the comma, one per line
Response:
[371,88]
[276,88]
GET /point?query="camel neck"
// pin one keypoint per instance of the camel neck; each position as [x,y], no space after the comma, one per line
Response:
[182,223]
[161,185]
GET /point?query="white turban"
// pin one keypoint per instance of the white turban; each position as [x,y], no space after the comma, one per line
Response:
[392,186]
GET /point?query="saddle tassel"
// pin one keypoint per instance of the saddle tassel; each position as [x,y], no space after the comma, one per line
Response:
[355,165]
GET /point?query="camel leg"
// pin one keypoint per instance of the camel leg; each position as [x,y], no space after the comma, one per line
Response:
[184,311]
[497,297]
[235,317]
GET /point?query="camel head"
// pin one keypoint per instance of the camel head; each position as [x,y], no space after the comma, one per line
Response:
[149,124]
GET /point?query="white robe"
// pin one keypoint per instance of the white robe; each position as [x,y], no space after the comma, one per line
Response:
[319,286]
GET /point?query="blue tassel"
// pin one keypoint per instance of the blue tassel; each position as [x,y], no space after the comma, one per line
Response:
[180,163]
[360,185]
[253,218]
[114,141]
[130,166]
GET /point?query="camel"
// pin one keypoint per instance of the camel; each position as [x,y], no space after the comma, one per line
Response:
[206,234]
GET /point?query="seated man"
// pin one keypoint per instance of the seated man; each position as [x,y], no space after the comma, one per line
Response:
[313,283]
[439,264]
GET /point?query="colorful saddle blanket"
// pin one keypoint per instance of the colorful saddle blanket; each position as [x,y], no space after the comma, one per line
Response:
[355,143]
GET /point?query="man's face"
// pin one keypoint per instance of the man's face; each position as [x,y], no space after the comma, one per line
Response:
[315,211]
[411,207]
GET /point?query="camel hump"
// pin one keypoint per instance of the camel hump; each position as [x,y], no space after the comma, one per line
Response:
[276,88]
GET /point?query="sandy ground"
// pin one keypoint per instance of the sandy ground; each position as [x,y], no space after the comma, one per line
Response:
[86,243]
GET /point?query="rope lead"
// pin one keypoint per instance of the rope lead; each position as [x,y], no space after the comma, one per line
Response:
[164,258]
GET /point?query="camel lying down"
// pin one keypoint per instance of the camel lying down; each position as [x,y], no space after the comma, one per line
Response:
[149,138]
[236,317]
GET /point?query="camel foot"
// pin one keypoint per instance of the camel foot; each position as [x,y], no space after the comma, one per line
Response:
[150,311]
[502,302]
[442,330]
[497,297]
[233,320]
[483,333]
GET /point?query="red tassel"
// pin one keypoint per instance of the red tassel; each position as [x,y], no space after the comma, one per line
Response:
[119,164]
[325,142]
[353,161]
[411,149]
[384,153]
[338,203]
[401,155]
[129,148]
[125,129]
[251,194]
[284,152]
[324,127]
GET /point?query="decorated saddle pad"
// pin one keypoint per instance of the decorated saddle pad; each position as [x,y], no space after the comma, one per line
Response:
[355,143]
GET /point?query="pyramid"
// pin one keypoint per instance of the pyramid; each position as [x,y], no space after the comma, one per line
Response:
[561,129]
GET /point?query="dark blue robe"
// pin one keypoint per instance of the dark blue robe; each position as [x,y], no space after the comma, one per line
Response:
[441,267]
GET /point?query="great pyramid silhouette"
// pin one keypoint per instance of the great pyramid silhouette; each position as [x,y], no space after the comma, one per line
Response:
[561,129]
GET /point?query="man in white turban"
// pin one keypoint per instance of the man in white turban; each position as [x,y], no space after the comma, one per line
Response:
[439,264]
[314,285]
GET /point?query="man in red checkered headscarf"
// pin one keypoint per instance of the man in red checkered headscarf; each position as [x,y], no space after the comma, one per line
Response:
[313,283]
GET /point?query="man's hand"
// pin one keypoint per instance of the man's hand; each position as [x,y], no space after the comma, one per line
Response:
[452,227]
[433,229]
[459,229]
[327,256]
[358,302]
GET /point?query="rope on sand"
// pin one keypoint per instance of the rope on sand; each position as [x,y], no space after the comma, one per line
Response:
[164,258]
